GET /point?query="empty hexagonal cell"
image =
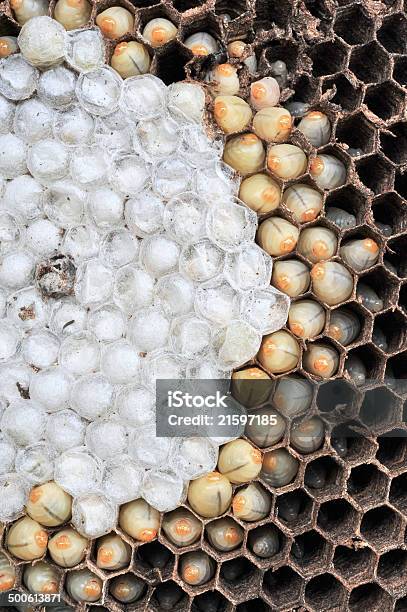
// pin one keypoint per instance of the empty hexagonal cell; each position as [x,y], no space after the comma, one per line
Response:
[400,70]
[389,331]
[376,173]
[403,297]
[347,95]
[323,476]
[354,26]
[211,601]
[349,199]
[379,408]
[168,596]
[357,132]
[394,143]
[328,58]
[294,509]
[185,5]
[398,492]
[381,527]
[396,373]
[393,33]
[370,63]
[234,10]
[154,557]
[253,605]
[370,597]
[400,184]
[385,100]
[395,258]
[171,65]
[237,576]
[277,12]
[283,587]
[350,444]
[367,484]
[324,591]
[305,89]
[337,518]
[310,552]
[392,451]
[389,209]
[392,569]
[354,564]
[338,398]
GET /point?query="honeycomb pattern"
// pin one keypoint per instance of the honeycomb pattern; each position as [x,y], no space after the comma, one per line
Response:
[346,549]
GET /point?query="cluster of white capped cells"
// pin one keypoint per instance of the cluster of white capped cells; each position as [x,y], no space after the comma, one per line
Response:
[125,257]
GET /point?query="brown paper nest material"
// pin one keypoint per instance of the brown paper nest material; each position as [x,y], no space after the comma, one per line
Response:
[348,59]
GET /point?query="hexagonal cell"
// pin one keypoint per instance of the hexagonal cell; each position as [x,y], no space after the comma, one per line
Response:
[324,591]
[168,596]
[277,12]
[400,184]
[154,559]
[389,209]
[385,100]
[310,551]
[367,485]
[338,398]
[305,88]
[171,65]
[393,33]
[350,444]
[211,601]
[392,569]
[262,539]
[234,10]
[398,492]
[379,408]
[370,597]
[354,26]
[337,518]
[400,70]
[394,143]
[237,576]
[294,509]
[354,564]
[389,331]
[350,199]
[371,362]
[396,373]
[357,132]
[395,258]
[323,477]
[186,5]
[370,63]
[328,58]
[283,587]
[283,50]
[382,284]
[254,605]
[348,95]
[392,451]
[376,173]
[126,586]
[381,527]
